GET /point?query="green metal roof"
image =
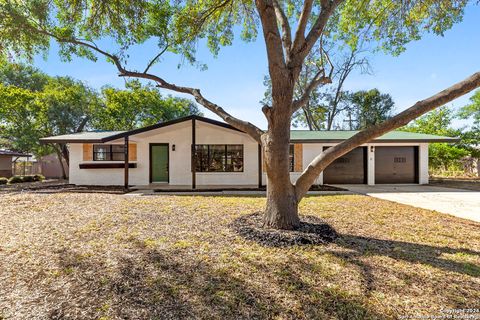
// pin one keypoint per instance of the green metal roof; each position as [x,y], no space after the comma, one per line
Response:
[339,135]
[296,135]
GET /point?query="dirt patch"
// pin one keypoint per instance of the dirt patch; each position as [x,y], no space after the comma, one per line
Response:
[312,231]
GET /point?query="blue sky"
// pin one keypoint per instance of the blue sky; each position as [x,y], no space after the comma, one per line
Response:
[234,79]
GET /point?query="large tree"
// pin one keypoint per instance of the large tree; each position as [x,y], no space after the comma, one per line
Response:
[368,108]
[439,122]
[471,138]
[60,105]
[137,106]
[329,100]
[472,111]
[22,76]
[290,29]
[34,105]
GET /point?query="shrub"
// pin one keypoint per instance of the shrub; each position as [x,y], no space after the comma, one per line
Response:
[3,180]
[28,179]
[16,179]
[38,177]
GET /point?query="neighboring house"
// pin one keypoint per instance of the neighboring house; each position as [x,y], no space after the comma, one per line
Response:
[164,153]
[7,160]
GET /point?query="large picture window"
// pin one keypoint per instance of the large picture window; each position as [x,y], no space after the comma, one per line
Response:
[219,158]
[108,152]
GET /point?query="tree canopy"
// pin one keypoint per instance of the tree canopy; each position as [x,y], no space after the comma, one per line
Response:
[34,105]
[137,106]
[443,156]
[369,108]
[472,110]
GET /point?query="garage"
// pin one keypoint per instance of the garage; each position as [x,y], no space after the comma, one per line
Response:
[351,168]
[396,164]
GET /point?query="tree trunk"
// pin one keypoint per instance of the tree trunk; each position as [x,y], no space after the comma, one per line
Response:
[282,206]
[65,153]
[60,159]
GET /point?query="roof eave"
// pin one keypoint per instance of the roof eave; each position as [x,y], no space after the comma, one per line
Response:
[449,140]
[169,123]
[47,140]
[16,154]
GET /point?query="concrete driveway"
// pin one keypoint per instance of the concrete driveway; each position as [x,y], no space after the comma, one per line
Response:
[458,202]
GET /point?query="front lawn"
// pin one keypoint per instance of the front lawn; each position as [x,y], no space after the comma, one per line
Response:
[107,256]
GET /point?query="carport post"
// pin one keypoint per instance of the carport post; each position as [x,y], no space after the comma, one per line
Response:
[125,171]
[194,155]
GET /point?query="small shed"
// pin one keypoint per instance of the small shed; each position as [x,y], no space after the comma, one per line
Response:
[7,158]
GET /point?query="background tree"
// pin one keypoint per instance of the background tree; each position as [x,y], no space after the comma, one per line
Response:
[26,28]
[471,138]
[442,156]
[22,76]
[137,106]
[368,108]
[66,107]
[328,101]
[34,105]
[18,113]
[472,112]
[60,105]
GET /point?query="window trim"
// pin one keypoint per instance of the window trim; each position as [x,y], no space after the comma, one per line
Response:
[226,158]
[109,152]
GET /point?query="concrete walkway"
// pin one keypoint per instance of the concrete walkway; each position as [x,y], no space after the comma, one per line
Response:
[458,202]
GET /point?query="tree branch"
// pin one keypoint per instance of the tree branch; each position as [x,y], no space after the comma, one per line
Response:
[271,34]
[245,126]
[302,22]
[421,107]
[150,64]
[317,80]
[286,30]
[94,47]
[303,45]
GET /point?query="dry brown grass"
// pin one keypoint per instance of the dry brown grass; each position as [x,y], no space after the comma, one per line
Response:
[105,256]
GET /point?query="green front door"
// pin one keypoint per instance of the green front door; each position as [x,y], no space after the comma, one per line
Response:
[159,162]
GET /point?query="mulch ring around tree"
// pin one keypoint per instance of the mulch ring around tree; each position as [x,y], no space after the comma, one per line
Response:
[312,231]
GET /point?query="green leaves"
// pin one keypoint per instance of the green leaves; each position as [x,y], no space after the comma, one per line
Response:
[472,110]
[370,108]
[390,25]
[34,105]
[439,122]
[137,106]
[26,27]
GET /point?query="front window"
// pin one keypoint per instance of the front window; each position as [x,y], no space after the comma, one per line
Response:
[219,158]
[108,152]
